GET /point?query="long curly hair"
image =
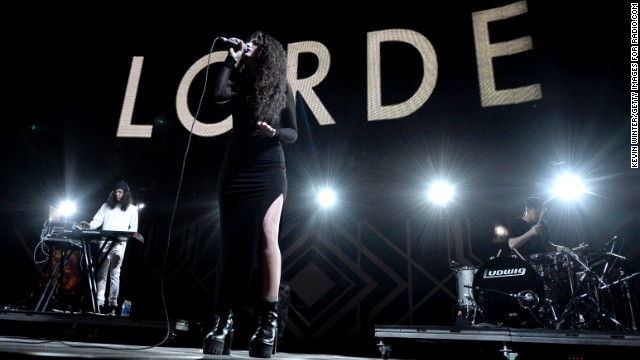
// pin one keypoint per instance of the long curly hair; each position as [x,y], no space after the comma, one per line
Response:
[270,83]
[124,203]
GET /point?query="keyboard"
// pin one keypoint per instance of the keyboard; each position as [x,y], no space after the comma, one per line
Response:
[65,231]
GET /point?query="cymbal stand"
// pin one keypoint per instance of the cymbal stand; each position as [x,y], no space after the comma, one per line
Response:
[602,291]
[629,297]
[626,291]
[573,307]
[475,310]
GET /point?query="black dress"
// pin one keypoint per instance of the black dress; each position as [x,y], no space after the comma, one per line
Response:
[252,177]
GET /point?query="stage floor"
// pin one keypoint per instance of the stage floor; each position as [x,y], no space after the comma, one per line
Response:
[30,335]
[64,335]
[25,348]
[488,341]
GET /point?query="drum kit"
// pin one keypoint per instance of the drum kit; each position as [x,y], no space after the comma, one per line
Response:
[568,289]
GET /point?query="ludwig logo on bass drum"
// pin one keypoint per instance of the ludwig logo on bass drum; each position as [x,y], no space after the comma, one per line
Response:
[504,273]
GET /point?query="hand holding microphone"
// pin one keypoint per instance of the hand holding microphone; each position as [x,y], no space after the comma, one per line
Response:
[236,46]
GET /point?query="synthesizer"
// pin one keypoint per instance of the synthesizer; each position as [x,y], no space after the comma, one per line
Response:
[65,231]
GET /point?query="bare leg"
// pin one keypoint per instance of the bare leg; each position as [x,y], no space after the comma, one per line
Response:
[271,256]
[263,343]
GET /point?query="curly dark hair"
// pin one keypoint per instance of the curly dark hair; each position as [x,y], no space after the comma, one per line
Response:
[124,203]
[270,84]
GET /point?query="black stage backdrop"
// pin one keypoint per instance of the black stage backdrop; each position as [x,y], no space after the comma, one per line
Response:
[498,97]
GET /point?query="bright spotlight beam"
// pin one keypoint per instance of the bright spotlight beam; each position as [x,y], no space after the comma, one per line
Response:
[326,198]
[568,187]
[441,193]
[67,208]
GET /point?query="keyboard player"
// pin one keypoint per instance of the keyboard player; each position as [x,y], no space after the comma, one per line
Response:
[118,213]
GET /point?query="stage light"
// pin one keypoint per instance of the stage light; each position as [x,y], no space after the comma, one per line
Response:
[326,197]
[568,187]
[441,193]
[140,206]
[500,231]
[67,208]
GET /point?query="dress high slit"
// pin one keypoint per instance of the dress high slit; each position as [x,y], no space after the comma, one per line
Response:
[252,177]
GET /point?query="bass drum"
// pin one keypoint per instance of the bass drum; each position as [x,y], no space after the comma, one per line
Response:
[508,291]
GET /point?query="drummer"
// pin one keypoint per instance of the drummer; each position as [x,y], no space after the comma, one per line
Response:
[529,233]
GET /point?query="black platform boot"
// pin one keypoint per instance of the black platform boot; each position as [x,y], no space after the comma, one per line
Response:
[264,340]
[218,341]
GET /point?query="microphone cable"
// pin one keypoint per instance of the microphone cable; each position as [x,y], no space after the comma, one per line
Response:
[175,204]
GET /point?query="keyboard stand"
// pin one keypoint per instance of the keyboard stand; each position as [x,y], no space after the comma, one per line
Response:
[91,276]
[89,262]
[69,237]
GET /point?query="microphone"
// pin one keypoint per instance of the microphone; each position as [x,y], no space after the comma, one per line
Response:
[235,44]
[527,298]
